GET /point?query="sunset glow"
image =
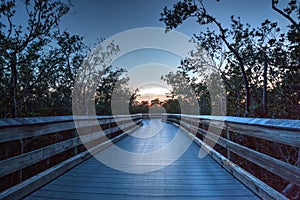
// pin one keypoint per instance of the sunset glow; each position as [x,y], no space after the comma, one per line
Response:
[150,92]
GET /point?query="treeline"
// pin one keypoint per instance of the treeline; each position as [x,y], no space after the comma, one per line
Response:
[259,66]
[39,62]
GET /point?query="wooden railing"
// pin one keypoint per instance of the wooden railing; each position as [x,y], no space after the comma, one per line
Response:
[207,128]
[58,147]
[65,149]
[151,115]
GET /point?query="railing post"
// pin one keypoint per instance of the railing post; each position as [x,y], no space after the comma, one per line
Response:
[21,153]
[75,148]
[228,138]
[108,127]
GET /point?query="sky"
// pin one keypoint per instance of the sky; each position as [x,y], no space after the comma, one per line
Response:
[103,18]
[96,19]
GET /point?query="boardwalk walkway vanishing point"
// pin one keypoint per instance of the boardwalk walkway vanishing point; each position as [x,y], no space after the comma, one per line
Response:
[189,177]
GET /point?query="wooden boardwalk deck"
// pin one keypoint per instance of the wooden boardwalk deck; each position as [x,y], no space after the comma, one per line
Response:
[187,178]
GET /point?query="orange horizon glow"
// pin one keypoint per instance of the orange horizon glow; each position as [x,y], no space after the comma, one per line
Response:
[151,93]
[148,99]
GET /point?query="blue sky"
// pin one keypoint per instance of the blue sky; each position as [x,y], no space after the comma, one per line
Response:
[94,19]
[103,18]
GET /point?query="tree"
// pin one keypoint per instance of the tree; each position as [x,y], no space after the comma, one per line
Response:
[172,106]
[254,63]
[293,66]
[185,9]
[26,51]
[183,93]
[139,107]
[292,87]
[113,95]
[287,12]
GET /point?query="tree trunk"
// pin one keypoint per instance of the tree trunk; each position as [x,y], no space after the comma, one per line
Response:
[244,76]
[241,65]
[247,88]
[13,87]
[265,82]
[238,97]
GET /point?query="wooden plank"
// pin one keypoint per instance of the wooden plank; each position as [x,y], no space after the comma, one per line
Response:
[24,160]
[278,167]
[257,186]
[187,177]
[31,121]
[33,183]
[151,191]
[283,124]
[287,137]
[281,131]
[92,196]
[14,122]
[96,135]
[118,184]
[24,131]
[15,133]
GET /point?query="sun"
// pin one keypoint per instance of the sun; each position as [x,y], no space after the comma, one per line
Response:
[152,91]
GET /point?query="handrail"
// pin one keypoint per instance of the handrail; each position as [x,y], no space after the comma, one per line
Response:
[112,127]
[19,128]
[275,130]
[286,132]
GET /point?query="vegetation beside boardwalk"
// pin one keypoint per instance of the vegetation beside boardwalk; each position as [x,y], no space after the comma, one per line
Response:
[259,67]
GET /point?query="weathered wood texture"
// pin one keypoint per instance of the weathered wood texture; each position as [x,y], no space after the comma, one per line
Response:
[257,186]
[282,131]
[12,129]
[189,177]
[15,163]
[278,167]
[26,187]
[19,128]
[276,130]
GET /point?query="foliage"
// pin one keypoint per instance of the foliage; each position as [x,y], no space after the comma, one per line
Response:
[259,66]
[38,62]
[138,107]
[112,87]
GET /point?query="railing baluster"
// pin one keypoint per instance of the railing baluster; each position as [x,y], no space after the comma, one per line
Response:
[19,129]
[228,138]
[285,132]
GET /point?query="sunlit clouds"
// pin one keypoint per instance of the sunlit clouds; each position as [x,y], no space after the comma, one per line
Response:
[152,91]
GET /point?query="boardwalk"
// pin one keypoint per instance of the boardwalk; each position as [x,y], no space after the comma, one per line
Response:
[187,178]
